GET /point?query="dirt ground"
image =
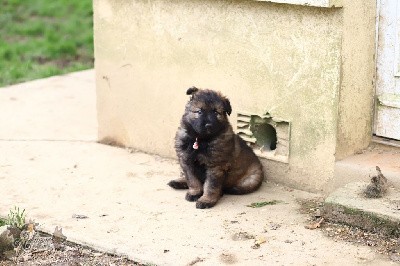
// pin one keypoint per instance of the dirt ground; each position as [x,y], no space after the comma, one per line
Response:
[340,232]
[72,254]
[68,254]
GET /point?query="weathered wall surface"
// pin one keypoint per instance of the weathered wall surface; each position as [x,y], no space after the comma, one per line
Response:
[358,75]
[276,58]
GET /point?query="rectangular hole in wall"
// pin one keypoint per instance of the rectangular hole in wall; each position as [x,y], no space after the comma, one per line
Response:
[269,137]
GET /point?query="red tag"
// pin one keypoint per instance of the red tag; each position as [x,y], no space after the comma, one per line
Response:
[196,145]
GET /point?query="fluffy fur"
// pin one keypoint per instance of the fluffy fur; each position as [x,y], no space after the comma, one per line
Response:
[221,162]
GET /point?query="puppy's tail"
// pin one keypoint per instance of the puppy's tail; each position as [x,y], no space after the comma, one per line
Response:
[251,181]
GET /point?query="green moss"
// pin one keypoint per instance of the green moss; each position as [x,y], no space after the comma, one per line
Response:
[351,211]
[365,220]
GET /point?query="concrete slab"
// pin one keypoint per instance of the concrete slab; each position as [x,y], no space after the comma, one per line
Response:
[348,205]
[55,108]
[51,165]
[131,210]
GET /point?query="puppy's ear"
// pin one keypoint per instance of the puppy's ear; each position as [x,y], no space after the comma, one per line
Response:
[227,107]
[191,90]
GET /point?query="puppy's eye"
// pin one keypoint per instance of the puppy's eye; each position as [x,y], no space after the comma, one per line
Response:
[216,112]
[198,112]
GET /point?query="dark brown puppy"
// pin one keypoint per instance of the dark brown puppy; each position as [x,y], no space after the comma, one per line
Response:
[214,160]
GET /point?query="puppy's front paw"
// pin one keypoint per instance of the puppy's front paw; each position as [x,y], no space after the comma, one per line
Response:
[204,205]
[178,184]
[190,197]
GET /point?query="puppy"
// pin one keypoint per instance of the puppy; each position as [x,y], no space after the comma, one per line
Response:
[214,160]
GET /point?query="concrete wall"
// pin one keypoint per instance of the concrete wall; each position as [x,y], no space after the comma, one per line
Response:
[276,58]
[358,77]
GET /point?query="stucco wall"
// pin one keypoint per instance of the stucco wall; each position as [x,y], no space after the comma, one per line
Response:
[276,58]
[358,77]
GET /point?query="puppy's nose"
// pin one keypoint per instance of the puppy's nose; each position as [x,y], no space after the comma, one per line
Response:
[208,126]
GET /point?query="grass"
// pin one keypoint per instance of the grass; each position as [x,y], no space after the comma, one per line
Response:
[15,218]
[41,38]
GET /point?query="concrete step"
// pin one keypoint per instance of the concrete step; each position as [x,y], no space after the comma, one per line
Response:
[361,167]
[348,205]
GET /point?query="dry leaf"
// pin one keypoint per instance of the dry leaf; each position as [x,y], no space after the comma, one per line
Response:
[196,260]
[257,243]
[13,231]
[58,238]
[79,216]
[59,234]
[315,225]
[260,240]
[30,227]
[242,236]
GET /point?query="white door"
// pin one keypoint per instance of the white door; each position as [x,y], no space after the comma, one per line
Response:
[387,109]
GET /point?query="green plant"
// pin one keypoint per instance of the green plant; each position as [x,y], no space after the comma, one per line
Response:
[2,222]
[16,218]
[263,203]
